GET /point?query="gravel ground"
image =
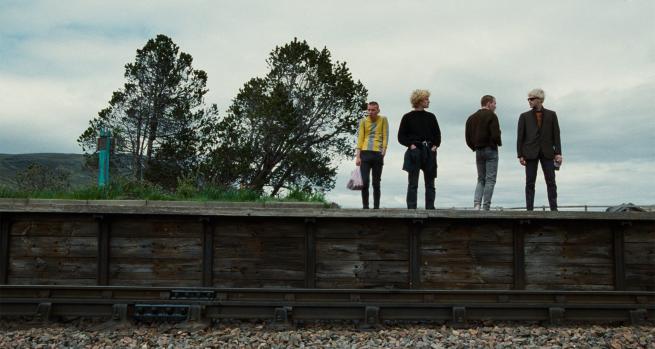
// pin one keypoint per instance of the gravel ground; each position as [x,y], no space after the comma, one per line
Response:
[83,334]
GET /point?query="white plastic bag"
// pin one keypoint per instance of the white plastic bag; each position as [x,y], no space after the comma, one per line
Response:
[355,182]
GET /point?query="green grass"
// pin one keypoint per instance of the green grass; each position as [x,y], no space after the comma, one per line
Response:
[147,191]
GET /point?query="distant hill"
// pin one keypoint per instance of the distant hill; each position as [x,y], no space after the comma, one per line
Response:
[11,164]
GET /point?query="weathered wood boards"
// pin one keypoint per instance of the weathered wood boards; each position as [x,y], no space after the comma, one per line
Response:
[347,251]
[56,251]
[470,254]
[259,253]
[639,256]
[161,252]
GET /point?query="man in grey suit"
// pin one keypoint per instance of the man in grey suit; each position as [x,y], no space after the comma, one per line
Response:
[538,141]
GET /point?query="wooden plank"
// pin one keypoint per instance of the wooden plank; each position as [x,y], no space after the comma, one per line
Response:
[499,273]
[271,228]
[358,273]
[261,283]
[463,231]
[570,234]
[467,286]
[46,270]
[540,275]
[290,247]
[53,246]
[473,252]
[161,228]
[298,210]
[55,227]
[369,230]
[254,268]
[158,282]
[155,269]
[552,254]
[16,280]
[569,287]
[157,248]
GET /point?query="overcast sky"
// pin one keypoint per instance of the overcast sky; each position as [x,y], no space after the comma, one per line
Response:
[61,60]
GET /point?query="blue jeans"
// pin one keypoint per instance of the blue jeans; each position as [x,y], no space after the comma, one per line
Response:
[486,160]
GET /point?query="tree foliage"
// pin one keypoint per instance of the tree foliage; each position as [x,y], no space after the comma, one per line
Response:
[158,117]
[37,178]
[287,129]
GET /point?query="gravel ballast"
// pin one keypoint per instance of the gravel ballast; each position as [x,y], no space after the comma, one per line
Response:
[259,335]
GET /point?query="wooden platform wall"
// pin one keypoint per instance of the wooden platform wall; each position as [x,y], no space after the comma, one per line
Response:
[332,252]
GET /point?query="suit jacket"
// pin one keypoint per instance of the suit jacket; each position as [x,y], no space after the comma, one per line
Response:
[531,139]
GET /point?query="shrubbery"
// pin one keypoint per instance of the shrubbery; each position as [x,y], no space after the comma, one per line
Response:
[121,189]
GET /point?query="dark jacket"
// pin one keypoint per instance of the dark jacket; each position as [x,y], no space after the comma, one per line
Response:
[483,130]
[532,140]
[418,126]
[421,158]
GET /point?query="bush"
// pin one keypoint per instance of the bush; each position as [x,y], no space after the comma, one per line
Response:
[121,188]
[186,188]
[297,194]
[40,178]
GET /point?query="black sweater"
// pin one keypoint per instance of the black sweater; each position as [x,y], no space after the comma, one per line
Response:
[483,130]
[418,126]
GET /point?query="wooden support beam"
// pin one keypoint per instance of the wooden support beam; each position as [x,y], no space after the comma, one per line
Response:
[310,252]
[5,229]
[208,228]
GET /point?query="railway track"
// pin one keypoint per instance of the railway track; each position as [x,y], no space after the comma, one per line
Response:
[285,306]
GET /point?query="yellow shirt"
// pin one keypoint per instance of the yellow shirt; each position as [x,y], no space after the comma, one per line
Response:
[373,135]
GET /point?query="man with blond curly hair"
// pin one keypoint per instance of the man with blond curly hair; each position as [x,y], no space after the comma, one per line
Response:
[419,132]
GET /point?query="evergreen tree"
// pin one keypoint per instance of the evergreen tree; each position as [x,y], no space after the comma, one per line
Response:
[288,129]
[157,115]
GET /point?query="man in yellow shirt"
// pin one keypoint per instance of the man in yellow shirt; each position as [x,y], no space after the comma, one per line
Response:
[372,139]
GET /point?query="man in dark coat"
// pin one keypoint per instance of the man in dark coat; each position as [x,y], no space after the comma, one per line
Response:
[538,141]
[419,132]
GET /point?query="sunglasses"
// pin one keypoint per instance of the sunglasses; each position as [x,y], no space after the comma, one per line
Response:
[532,98]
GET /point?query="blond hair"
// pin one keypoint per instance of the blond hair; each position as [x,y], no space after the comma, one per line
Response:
[418,96]
[538,93]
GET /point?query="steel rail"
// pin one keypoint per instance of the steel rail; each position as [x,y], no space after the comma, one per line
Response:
[285,305]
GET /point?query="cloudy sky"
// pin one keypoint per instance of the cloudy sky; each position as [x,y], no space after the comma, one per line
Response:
[61,60]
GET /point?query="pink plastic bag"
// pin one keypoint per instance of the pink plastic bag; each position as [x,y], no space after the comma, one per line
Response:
[355,182]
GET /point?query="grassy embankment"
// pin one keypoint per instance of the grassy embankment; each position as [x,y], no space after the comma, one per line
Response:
[146,191]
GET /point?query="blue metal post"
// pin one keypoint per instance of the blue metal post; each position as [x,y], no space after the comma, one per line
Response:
[104,147]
